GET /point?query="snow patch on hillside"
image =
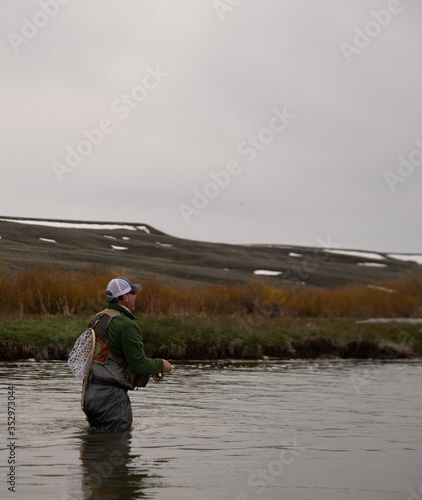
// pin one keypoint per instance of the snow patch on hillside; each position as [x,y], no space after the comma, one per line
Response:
[356,253]
[264,272]
[406,257]
[392,320]
[371,264]
[79,225]
[381,288]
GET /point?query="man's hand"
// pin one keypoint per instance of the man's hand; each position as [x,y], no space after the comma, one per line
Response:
[167,366]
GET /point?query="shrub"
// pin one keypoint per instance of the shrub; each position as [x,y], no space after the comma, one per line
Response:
[46,291]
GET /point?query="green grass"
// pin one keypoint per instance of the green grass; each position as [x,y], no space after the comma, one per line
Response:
[40,331]
[206,336]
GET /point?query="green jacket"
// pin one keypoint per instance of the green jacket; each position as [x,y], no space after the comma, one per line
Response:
[124,339]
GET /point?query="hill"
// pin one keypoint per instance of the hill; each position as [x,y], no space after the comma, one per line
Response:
[141,251]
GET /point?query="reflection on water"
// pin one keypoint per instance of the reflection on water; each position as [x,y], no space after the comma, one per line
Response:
[109,467]
[295,430]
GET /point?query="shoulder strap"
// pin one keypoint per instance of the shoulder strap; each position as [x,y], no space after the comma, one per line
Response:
[112,312]
[101,320]
[99,323]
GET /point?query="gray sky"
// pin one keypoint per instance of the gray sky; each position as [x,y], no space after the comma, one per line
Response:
[254,121]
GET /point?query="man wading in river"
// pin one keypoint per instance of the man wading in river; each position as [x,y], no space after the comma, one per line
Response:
[119,362]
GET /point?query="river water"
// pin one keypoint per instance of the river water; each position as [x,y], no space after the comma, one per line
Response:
[289,430]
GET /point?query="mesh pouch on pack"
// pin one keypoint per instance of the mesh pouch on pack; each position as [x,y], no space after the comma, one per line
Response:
[80,355]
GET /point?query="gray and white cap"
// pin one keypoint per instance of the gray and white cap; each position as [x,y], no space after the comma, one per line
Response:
[120,286]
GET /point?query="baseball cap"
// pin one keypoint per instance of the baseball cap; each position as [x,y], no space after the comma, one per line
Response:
[120,286]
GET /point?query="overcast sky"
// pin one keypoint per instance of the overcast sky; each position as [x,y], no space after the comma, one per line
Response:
[254,121]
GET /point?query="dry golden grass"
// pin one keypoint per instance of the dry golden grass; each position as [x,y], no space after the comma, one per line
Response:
[48,292]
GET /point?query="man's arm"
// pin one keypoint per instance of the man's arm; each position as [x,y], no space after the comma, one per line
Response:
[133,350]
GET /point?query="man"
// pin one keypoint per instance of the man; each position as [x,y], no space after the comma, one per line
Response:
[119,361]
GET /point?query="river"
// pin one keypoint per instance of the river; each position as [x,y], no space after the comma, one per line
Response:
[289,430]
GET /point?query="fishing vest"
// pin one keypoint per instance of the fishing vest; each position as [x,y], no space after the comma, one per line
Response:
[99,323]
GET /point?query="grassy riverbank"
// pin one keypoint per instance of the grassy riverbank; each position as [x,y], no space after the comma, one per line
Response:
[211,337]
